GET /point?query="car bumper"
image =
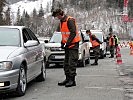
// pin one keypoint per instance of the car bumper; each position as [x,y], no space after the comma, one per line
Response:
[56,58]
[8,80]
[92,53]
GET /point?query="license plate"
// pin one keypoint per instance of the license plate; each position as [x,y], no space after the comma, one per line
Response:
[91,50]
[59,57]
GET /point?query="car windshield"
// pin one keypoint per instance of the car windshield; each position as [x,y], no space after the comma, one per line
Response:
[56,38]
[9,37]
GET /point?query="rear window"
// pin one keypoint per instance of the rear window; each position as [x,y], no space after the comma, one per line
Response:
[99,36]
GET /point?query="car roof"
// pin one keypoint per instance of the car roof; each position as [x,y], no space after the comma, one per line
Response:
[18,27]
[56,32]
[96,30]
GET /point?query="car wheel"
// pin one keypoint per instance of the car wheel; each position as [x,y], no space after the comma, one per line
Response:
[47,64]
[22,82]
[42,76]
[102,55]
[88,61]
[105,55]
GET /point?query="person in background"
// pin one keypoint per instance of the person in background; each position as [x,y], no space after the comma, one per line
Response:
[95,46]
[116,42]
[70,43]
[111,45]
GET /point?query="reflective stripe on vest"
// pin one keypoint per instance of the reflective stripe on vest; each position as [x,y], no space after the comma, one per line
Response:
[94,43]
[66,33]
[117,40]
[66,36]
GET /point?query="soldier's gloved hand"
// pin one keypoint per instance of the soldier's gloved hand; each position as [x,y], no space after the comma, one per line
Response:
[62,46]
[66,46]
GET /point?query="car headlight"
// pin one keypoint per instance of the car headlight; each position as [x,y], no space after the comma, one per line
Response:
[6,65]
[48,48]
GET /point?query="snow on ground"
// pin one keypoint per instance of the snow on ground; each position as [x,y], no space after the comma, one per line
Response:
[29,6]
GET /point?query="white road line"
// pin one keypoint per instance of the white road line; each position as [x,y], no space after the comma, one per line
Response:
[103,69]
[120,89]
[98,76]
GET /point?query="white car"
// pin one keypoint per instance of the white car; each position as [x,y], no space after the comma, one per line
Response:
[102,37]
[55,54]
[22,58]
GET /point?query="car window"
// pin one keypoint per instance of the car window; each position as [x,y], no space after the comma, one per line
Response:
[9,37]
[28,35]
[32,35]
[85,36]
[57,37]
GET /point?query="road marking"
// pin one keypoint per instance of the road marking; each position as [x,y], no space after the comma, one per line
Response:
[103,69]
[107,88]
[99,76]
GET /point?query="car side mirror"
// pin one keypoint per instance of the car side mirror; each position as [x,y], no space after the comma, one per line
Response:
[31,43]
[46,41]
[105,40]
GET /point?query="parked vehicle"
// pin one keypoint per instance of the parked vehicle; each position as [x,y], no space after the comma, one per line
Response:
[103,47]
[55,54]
[22,58]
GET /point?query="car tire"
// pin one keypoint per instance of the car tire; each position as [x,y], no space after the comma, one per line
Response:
[88,61]
[102,55]
[47,64]
[22,81]
[42,76]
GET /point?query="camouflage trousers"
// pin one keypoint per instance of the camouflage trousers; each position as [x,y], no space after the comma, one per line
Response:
[70,62]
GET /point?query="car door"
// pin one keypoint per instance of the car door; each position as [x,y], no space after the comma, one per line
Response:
[30,55]
[39,49]
[85,44]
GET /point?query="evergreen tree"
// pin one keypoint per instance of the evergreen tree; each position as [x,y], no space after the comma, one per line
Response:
[2,4]
[34,21]
[22,20]
[41,12]
[130,8]
[27,19]
[18,17]
[8,18]
[34,13]
[121,4]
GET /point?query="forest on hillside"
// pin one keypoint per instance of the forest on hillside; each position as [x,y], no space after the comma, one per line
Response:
[98,14]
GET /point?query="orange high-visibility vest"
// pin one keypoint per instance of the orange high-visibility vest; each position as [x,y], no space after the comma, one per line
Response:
[94,43]
[66,33]
[110,42]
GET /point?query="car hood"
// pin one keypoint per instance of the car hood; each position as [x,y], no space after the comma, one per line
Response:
[6,51]
[52,44]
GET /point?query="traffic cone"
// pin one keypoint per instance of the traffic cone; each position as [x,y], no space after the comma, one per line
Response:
[131,50]
[117,50]
[118,56]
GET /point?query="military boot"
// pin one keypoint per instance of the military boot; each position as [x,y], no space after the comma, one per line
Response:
[63,83]
[71,82]
[95,63]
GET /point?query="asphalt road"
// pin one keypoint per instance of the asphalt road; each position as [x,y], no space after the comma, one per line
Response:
[102,82]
